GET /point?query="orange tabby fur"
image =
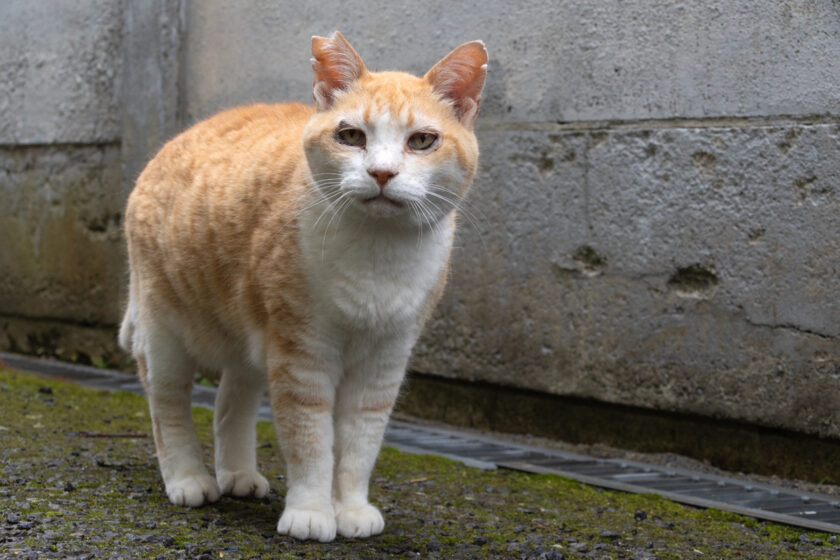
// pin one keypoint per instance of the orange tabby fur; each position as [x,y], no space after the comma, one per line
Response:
[221,229]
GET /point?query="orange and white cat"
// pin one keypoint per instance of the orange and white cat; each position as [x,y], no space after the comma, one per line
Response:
[300,249]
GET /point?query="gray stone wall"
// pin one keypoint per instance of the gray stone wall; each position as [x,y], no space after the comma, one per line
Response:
[60,202]
[656,221]
[58,67]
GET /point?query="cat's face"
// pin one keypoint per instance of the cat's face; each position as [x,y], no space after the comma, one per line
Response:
[391,145]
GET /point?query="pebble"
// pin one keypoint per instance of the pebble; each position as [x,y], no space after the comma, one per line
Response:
[50,535]
[12,518]
[165,540]
[610,535]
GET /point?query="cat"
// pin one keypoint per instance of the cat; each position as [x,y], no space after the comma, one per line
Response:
[299,249]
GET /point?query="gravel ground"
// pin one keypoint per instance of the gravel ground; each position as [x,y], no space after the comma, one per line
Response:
[78,479]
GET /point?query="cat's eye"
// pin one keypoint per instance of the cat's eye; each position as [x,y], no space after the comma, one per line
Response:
[351,137]
[420,141]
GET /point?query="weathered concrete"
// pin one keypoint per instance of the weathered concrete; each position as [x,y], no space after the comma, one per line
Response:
[69,341]
[681,269]
[58,69]
[152,88]
[550,60]
[62,255]
[655,219]
[678,263]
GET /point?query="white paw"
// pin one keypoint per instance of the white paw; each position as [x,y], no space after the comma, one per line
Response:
[303,524]
[193,490]
[242,483]
[362,521]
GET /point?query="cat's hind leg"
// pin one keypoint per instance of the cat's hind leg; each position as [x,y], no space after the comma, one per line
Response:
[167,373]
[234,427]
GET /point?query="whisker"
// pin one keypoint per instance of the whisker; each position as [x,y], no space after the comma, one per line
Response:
[329,206]
[462,204]
[414,206]
[464,212]
[343,203]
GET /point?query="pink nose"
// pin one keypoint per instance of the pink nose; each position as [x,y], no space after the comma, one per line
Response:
[382,176]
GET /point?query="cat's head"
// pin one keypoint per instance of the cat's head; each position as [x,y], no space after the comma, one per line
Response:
[389,144]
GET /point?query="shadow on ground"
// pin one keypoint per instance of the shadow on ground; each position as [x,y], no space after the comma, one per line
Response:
[78,479]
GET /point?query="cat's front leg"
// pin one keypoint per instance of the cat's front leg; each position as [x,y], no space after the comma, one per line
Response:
[302,401]
[364,403]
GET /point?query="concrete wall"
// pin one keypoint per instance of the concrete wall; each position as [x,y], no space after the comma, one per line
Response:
[60,202]
[655,221]
[656,218]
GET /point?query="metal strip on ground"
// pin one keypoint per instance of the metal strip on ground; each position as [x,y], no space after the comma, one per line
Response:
[782,505]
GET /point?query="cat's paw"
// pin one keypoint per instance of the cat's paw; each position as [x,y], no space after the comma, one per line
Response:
[304,524]
[361,521]
[193,490]
[242,483]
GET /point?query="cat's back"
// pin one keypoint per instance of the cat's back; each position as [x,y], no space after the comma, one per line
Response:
[203,203]
[219,170]
[237,143]
[231,149]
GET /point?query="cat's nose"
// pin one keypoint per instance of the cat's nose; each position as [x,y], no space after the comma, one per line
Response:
[382,176]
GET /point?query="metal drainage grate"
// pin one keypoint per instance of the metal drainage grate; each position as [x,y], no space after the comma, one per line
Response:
[782,505]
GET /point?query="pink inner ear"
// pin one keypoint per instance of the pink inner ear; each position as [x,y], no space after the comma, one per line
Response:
[335,65]
[460,77]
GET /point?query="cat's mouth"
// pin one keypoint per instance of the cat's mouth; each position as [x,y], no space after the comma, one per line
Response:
[381,199]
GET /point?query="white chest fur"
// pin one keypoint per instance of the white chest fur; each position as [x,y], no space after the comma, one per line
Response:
[370,275]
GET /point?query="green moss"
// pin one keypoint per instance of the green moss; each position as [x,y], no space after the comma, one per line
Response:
[434,508]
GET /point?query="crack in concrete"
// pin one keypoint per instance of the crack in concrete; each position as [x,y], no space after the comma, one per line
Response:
[791,327]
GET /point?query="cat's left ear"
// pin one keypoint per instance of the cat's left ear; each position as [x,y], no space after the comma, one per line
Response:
[336,65]
[459,77]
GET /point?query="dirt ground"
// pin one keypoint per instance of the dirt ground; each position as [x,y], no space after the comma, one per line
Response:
[78,479]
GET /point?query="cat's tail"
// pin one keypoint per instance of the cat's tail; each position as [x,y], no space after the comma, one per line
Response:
[126,335]
[129,322]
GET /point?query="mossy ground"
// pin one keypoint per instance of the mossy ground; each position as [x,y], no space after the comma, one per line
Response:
[70,487]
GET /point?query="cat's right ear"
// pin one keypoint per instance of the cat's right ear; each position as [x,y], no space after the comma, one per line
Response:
[336,66]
